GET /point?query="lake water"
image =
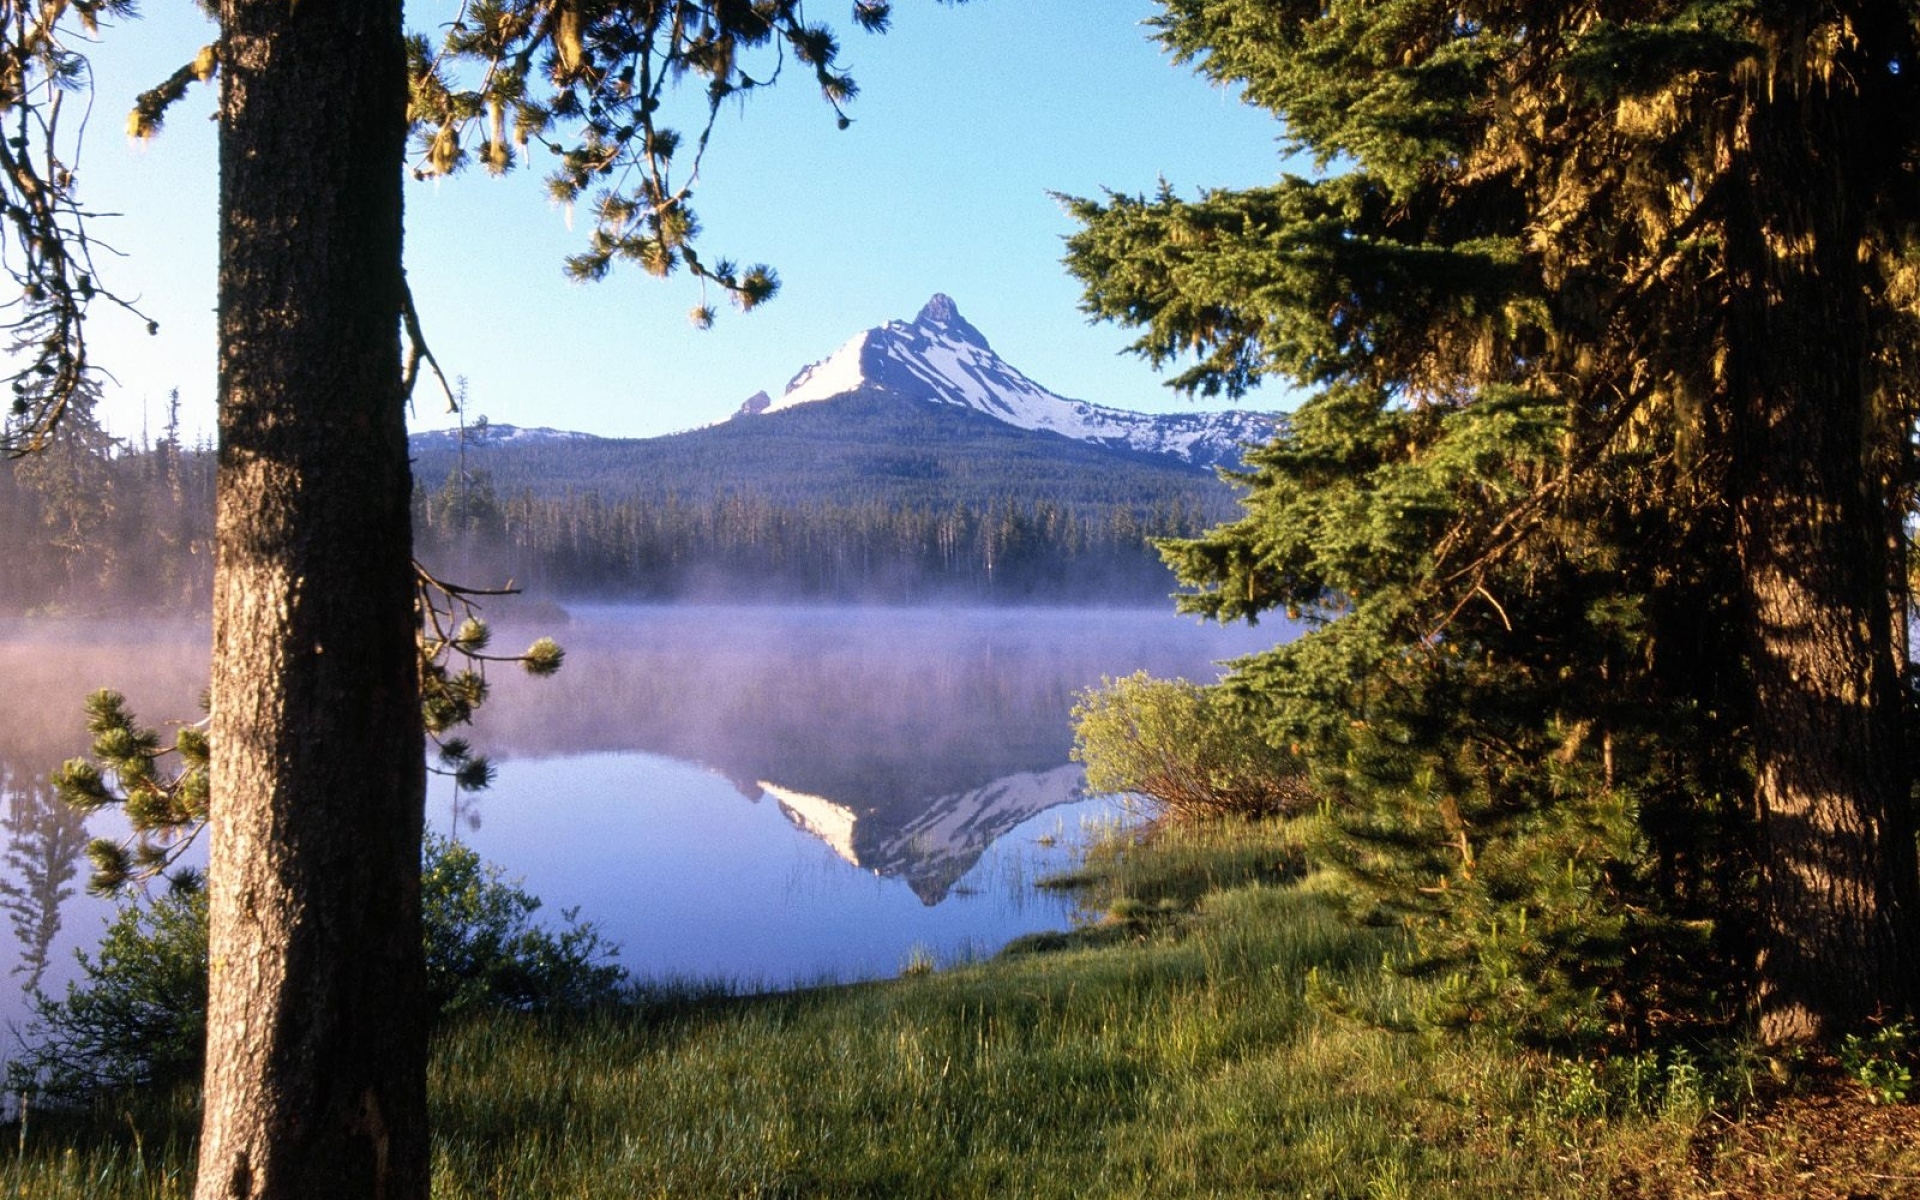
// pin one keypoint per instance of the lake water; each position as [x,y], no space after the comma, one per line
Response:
[767,796]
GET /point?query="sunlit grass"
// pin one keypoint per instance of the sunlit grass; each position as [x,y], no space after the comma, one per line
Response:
[133,1147]
[1181,1044]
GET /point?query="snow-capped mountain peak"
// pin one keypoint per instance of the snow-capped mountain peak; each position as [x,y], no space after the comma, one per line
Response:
[938,357]
[941,313]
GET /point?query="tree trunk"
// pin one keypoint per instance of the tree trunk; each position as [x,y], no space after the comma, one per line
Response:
[1838,880]
[315,1081]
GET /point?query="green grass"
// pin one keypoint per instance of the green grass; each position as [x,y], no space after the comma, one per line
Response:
[1184,1045]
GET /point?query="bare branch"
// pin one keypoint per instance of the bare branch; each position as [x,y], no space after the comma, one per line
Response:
[45,244]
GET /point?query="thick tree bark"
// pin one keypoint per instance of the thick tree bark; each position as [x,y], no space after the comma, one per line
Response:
[315,1081]
[1839,882]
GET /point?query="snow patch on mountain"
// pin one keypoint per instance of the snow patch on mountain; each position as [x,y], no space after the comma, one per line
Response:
[836,375]
[494,433]
[940,358]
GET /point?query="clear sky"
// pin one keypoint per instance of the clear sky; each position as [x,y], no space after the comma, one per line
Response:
[969,116]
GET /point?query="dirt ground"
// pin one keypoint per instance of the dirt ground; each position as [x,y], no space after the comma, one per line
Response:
[1825,1140]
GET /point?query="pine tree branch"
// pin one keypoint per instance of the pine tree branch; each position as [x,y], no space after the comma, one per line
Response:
[417,351]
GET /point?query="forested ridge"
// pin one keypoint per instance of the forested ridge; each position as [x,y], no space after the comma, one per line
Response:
[870,445]
[748,547]
[873,502]
[869,497]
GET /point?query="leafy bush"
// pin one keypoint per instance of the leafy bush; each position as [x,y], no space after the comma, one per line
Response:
[1881,1062]
[138,1016]
[1186,748]
[484,950]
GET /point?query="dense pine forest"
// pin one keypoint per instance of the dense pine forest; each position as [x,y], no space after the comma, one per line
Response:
[94,525]
[749,547]
[107,527]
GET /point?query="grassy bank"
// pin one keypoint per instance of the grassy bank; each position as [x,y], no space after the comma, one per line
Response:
[1191,1043]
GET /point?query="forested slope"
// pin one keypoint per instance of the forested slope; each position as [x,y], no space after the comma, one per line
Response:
[873,446]
[867,498]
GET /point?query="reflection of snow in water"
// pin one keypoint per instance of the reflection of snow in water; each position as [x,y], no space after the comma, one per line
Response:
[831,823]
[926,747]
[693,883]
[941,839]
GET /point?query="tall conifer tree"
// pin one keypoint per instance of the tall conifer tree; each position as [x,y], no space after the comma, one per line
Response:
[1611,312]
[316,1053]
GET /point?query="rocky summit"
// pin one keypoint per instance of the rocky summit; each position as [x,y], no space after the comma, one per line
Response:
[940,358]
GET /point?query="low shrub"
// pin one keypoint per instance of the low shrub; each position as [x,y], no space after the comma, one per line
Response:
[484,950]
[138,1015]
[1186,748]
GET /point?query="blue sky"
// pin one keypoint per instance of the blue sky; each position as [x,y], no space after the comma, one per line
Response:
[969,116]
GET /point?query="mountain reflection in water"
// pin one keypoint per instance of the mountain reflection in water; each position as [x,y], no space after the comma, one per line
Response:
[768,794]
[932,842]
[908,740]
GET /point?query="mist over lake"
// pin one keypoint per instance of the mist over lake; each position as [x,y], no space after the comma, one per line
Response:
[762,794]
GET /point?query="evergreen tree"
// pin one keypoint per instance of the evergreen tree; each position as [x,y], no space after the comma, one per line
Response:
[316,1051]
[70,482]
[1610,310]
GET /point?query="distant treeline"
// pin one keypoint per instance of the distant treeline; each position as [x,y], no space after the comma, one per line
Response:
[96,527]
[93,527]
[752,548]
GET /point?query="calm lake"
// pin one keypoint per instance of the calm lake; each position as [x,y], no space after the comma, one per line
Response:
[768,796]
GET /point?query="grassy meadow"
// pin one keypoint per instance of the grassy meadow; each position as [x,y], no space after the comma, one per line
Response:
[1218,1031]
